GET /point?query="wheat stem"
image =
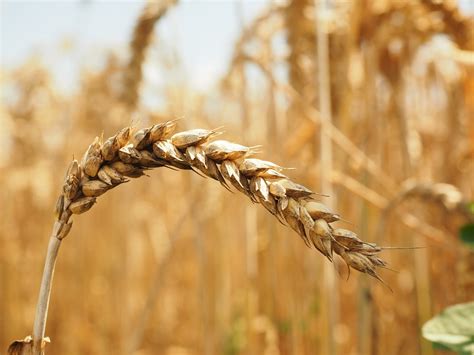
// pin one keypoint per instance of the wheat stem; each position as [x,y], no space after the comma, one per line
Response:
[44,294]
[330,292]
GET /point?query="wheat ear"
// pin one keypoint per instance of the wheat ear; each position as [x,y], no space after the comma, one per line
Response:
[127,155]
[152,12]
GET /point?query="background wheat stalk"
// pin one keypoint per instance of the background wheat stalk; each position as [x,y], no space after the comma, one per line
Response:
[129,154]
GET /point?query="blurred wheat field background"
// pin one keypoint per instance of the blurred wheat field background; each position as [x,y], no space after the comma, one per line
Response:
[371,101]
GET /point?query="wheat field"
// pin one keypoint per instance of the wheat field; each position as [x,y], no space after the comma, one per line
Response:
[350,123]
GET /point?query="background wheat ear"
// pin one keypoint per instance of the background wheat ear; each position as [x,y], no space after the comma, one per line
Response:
[127,155]
[151,13]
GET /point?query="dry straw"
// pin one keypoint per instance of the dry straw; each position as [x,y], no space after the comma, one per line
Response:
[106,165]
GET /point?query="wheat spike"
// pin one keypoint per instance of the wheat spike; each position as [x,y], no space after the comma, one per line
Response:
[124,156]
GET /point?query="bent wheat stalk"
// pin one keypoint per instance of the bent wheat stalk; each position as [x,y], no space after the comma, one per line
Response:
[128,154]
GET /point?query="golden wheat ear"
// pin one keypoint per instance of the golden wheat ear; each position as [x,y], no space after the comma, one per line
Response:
[128,154]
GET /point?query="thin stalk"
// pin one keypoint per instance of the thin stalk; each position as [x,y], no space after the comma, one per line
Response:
[250,219]
[330,291]
[42,306]
[34,345]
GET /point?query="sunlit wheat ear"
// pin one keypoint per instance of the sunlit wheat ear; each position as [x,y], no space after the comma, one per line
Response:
[128,154]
